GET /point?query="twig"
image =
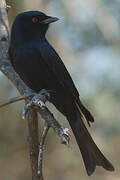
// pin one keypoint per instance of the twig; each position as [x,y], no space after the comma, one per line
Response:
[41,149]
[13,100]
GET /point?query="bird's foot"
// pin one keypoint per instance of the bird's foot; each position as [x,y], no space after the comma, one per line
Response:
[66,136]
[37,100]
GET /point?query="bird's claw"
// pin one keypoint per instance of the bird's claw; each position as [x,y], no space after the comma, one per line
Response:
[66,136]
[67,132]
[36,101]
[45,93]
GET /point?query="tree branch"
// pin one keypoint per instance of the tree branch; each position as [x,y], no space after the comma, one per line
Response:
[13,100]
[34,102]
[41,149]
[8,71]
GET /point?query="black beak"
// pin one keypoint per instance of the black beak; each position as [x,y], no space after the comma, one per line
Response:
[49,20]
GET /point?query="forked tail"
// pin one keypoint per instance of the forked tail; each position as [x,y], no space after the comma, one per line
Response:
[92,156]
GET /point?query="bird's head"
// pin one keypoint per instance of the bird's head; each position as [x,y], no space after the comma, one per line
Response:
[31,25]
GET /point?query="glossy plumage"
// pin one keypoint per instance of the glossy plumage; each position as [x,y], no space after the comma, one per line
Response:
[40,67]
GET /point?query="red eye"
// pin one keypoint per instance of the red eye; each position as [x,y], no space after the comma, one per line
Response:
[34,19]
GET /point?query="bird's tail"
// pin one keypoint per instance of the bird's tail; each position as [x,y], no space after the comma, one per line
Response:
[92,156]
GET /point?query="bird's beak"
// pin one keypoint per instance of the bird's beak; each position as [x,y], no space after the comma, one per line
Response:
[49,20]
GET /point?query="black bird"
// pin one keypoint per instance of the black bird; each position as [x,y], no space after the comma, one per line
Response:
[40,67]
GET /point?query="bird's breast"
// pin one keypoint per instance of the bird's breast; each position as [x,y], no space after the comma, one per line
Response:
[32,69]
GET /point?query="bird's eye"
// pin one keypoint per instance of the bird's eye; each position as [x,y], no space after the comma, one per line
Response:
[35,19]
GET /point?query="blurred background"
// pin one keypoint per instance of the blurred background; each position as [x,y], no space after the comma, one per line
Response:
[87,38]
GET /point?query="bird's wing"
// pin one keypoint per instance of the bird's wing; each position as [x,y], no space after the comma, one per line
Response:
[52,59]
[54,62]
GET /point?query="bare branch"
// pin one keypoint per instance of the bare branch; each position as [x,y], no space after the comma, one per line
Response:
[63,133]
[13,100]
[34,102]
[38,102]
[41,149]
[6,68]
[50,121]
